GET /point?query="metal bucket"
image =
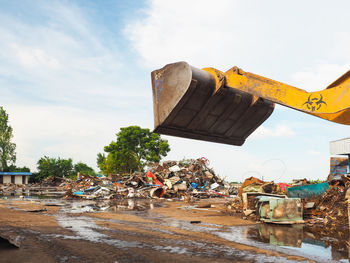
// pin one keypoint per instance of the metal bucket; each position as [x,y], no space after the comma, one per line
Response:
[187,103]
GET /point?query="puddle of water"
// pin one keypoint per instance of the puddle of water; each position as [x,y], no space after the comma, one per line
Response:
[186,225]
[29,197]
[285,239]
[82,206]
[170,249]
[85,228]
[134,205]
[82,227]
[289,239]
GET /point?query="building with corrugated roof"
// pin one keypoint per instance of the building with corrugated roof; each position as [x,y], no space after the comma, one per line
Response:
[14,177]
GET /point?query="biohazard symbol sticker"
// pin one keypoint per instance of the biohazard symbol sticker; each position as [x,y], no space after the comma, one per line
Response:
[314,102]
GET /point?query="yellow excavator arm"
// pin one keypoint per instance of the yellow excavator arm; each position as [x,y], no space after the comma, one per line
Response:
[332,103]
[227,107]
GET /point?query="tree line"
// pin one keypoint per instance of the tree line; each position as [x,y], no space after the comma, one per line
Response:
[133,148]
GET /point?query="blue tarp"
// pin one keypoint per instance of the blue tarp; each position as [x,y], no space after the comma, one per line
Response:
[306,191]
[91,188]
[86,190]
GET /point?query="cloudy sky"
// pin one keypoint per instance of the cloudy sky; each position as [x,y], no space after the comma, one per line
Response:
[73,72]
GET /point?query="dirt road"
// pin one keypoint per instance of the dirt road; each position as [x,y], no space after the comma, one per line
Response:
[64,231]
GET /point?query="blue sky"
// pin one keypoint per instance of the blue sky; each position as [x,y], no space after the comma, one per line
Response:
[73,72]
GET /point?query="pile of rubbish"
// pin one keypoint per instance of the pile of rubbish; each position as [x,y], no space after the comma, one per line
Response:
[54,181]
[169,179]
[321,204]
[8,189]
[89,187]
[331,208]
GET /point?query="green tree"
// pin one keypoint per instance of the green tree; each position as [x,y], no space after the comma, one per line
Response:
[133,148]
[14,168]
[107,164]
[83,169]
[7,148]
[55,167]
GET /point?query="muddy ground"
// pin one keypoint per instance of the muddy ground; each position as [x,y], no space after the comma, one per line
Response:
[149,231]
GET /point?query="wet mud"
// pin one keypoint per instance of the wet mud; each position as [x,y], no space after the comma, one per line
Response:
[147,231]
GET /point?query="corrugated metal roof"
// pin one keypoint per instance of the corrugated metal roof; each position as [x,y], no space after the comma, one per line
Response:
[341,147]
[347,138]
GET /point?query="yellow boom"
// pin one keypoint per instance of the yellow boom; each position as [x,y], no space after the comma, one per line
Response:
[332,103]
[227,107]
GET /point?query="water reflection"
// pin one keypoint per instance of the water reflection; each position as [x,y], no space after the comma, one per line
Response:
[296,238]
[81,206]
[278,235]
[132,204]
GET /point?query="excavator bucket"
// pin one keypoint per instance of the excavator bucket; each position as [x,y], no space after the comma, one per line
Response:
[187,102]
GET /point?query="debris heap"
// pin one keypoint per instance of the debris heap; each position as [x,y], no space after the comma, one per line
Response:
[330,209]
[322,204]
[169,179]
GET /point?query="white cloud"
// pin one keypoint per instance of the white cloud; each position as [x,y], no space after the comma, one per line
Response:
[63,86]
[59,57]
[341,46]
[277,131]
[323,73]
[69,82]
[34,57]
[313,152]
[196,32]
[320,76]
[59,131]
[269,38]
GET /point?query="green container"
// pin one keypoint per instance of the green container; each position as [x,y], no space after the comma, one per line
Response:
[280,210]
[307,191]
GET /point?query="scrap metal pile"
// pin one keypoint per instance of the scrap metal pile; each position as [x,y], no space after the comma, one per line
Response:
[169,179]
[331,208]
[7,189]
[321,204]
